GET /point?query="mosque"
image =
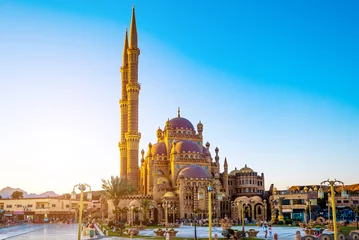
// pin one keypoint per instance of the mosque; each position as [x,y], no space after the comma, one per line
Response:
[176,170]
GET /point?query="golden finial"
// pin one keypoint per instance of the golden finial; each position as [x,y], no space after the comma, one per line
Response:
[179,112]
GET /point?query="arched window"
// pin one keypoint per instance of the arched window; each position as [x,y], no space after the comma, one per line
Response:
[246,181]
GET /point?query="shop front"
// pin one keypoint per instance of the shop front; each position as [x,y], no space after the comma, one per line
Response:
[19,215]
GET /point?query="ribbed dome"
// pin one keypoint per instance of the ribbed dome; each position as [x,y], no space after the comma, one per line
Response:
[233,172]
[246,169]
[169,194]
[194,171]
[256,199]
[187,145]
[159,148]
[180,122]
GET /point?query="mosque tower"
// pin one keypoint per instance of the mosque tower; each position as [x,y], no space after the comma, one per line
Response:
[130,136]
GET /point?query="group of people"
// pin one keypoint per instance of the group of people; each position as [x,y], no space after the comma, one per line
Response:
[267,229]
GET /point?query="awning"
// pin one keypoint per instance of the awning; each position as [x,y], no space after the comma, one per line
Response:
[61,212]
[287,210]
[8,214]
[18,212]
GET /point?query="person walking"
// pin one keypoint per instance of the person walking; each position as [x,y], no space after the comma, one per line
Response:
[265,230]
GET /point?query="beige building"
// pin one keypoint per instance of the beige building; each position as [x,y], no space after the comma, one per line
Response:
[177,169]
[42,209]
[295,202]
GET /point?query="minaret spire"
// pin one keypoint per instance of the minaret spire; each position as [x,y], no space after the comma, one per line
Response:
[124,110]
[179,112]
[133,88]
[133,30]
[124,54]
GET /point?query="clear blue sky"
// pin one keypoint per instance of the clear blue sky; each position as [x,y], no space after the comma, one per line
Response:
[275,84]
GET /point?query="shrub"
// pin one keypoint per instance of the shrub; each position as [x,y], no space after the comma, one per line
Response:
[288,221]
[280,222]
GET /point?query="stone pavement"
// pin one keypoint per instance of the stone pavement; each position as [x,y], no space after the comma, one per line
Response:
[202,232]
[61,231]
[58,231]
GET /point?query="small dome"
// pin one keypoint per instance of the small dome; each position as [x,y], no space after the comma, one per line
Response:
[256,199]
[246,169]
[242,198]
[187,145]
[233,172]
[194,171]
[169,194]
[159,148]
[180,122]
[134,203]
[161,180]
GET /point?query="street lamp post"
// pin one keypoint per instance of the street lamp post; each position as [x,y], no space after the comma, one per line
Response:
[331,183]
[242,204]
[280,207]
[210,189]
[194,190]
[310,210]
[82,188]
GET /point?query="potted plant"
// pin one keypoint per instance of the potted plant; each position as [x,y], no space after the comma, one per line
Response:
[252,233]
[172,232]
[159,232]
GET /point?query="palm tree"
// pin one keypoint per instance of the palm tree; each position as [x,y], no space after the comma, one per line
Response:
[115,188]
[145,204]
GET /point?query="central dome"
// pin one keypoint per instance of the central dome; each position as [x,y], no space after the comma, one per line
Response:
[194,171]
[180,122]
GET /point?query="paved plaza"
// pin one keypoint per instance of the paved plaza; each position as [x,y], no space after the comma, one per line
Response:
[69,232]
[41,232]
[202,232]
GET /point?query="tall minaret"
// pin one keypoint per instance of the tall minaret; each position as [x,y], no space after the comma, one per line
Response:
[225,177]
[122,145]
[133,89]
